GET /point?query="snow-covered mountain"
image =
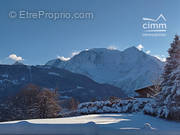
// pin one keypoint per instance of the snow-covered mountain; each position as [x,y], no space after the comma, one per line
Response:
[129,69]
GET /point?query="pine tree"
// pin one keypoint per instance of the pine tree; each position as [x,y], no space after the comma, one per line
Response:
[169,98]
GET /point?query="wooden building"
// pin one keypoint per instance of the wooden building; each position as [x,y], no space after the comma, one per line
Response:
[146,91]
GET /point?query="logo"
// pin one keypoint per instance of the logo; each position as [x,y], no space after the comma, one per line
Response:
[154,27]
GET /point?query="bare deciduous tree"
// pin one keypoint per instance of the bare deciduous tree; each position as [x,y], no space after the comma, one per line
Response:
[74,104]
[48,105]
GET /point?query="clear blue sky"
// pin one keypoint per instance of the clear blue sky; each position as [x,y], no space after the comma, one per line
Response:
[116,22]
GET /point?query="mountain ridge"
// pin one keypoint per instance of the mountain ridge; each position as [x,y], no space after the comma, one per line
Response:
[129,69]
[14,77]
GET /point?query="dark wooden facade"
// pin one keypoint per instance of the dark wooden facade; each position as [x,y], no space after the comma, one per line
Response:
[146,92]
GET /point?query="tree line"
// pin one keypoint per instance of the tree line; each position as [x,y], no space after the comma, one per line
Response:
[33,102]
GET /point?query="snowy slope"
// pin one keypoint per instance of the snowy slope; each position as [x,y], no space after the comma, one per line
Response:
[129,69]
[99,124]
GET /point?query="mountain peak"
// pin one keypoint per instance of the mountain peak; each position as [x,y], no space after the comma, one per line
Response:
[18,63]
[134,51]
[54,62]
[99,50]
[133,48]
[123,69]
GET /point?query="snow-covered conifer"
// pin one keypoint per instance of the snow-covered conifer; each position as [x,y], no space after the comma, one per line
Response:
[168,102]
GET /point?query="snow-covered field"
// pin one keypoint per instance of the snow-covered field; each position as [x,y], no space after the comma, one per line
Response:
[97,124]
